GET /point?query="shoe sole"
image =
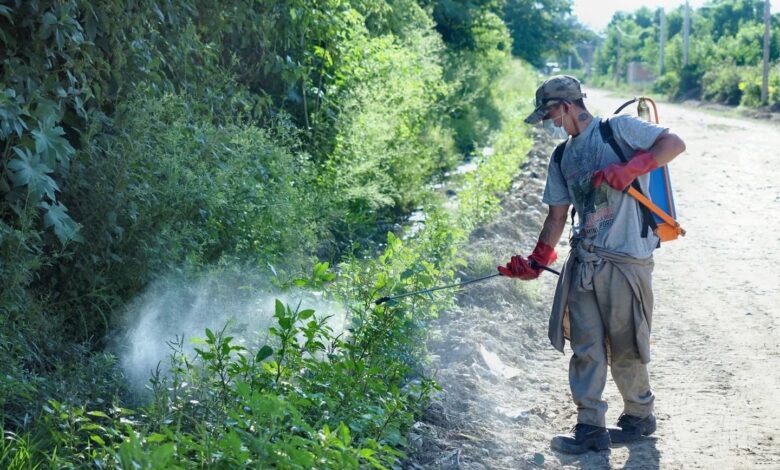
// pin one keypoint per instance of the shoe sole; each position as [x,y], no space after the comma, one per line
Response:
[597,444]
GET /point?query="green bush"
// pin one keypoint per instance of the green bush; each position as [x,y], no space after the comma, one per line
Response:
[724,84]
[740,85]
[668,84]
[741,48]
[382,158]
[473,71]
[162,188]
[165,141]
[751,86]
[148,138]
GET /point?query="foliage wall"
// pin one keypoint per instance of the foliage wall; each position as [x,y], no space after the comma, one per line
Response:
[142,136]
[150,137]
[724,57]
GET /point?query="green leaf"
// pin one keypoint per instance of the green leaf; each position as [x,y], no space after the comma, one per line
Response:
[303,458]
[344,434]
[28,169]
[98,439]
[285,323]
[321,274]
[320,269]
[65,228]
[92,427]
[162,455]
[50,144]
[210,336]
[305,314]
[98,414]
[47,109]
[6,11]
[264,353]
[48,19]
[154,438]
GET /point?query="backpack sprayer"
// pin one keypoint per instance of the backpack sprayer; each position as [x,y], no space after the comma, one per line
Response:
[661,201]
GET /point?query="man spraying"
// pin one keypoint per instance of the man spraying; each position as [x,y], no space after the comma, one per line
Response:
[604,300]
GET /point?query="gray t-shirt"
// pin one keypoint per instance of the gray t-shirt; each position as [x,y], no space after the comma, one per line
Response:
[611,218]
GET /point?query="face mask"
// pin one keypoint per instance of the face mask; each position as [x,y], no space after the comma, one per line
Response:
[558,133]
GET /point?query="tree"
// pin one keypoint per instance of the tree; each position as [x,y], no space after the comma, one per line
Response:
[728,16]
[455,19]
[541,27]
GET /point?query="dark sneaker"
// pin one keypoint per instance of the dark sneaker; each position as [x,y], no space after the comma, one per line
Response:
[630,428]
[582,438]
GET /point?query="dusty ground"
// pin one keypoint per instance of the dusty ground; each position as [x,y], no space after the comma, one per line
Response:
[716,354]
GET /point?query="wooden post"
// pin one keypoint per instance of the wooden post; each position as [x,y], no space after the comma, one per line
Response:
[765,82]
[617,58]
[661,42]
[686,32]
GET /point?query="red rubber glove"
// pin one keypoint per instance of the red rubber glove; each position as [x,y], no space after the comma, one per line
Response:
[521,268]
[620,175]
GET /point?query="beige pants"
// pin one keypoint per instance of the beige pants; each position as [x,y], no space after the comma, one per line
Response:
[602,319]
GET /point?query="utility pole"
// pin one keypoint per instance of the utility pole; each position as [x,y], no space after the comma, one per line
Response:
[661,41]
[686,32]
[765,82]
[617,58]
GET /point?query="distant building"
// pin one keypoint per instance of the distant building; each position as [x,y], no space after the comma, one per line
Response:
[639,73]
[584,55]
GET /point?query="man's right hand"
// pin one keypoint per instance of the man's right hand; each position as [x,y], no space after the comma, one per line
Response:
[522,268]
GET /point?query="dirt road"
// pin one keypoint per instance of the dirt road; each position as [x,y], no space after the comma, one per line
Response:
[715,345]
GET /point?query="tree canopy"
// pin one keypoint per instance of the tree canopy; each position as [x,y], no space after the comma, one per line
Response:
[725,50]
[543,29]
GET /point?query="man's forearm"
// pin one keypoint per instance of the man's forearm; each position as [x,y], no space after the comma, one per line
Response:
[554,225]
[666,148]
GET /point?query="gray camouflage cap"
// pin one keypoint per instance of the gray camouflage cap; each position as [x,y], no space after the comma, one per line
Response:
[555,88]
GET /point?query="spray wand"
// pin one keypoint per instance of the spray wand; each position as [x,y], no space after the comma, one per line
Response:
[382,300]
[433,289]
[536,265]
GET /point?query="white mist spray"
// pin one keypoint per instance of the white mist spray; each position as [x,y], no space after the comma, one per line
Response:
[172,309]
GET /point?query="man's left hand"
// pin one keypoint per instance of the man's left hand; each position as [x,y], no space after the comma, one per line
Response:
[620,175]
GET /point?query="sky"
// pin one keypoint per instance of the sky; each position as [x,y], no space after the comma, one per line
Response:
[597,13]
